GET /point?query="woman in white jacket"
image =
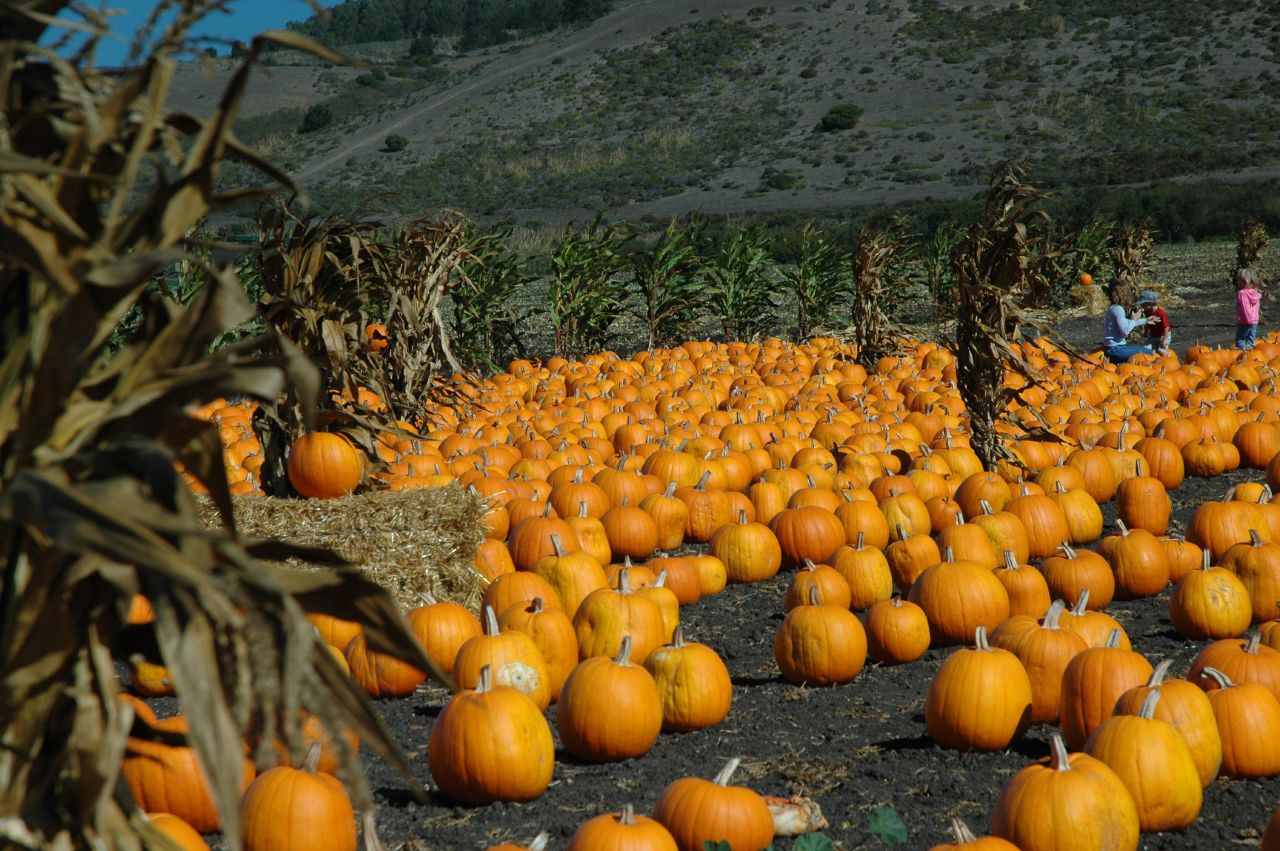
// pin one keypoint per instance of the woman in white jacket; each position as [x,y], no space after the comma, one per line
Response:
[1117,323]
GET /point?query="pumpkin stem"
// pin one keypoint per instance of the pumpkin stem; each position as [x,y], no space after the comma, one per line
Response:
[1252,647]
[546,511]
[484,682]
[582,515]
[1221,679]
[661,581]
[1148,709]
[858,543]
[742,517]
[988,510]
[1124,530]
[490,621]
[1065,546]
[813,596]
[948,555]
[1157,676]
[427,599]
[1081,604]
[1054,614]
[624,580]
[628,815]
[677,637]
[722,779]
[959,518]
[555,538]
[902,532]
[961,832]
[535,605]
[1010,560]
[312,760]
[702,481]
[1059,759]
[809,565]
[1061,488]
[980,638]
[670,491]
[1113,638]
[624,652]
[1205,560]
[1255,540]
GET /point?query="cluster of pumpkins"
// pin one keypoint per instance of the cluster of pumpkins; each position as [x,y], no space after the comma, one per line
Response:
[774,455]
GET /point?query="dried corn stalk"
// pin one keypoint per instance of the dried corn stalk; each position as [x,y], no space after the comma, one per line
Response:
[995,271]
[875,258]
[324,280]
[1250,243]
[1131,256]
[91,508]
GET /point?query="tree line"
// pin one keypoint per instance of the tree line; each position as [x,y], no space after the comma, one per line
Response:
[475,23]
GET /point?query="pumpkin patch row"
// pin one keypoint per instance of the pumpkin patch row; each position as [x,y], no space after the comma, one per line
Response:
[602,475]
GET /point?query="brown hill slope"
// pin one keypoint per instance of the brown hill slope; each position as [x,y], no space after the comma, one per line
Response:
[665,107]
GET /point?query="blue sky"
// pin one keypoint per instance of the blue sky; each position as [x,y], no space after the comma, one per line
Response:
[246,18]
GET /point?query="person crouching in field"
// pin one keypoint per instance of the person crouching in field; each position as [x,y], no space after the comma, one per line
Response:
[1117,324]
[1159,331]
[1248,298]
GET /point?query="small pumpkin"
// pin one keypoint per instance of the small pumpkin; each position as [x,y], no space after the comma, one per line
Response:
[820,644]
[178,831]
[866,573]
[1210,602]
[609,709]
[1248,715]
[830,584]
[1187,708]
[966,841]
[299,809]
[1066,789]
[324,465]
[980,699]
[470,747]
[552,633]
[442,627]
[897,631]
[622,831]
[693,684]
[698,811]
[1154,763]
[1092,682]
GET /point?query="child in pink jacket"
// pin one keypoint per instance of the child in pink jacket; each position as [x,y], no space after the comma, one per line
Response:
[1248,297]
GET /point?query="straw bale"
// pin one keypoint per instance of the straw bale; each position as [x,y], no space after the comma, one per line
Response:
[410,542]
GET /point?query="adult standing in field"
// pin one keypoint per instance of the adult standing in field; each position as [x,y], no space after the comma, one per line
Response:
[1117,323]
[1248,299]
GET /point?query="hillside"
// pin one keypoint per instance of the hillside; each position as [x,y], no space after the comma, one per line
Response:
[664,107]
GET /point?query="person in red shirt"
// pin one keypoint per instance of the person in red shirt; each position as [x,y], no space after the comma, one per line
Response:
[1159,331]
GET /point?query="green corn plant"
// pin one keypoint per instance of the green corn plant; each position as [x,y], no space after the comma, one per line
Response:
[875,270]
[813,268]
[486,319]
[935,261]
[995,272]
[740,277]
[92,509]
[1132,253]
[667,282]
[587,291]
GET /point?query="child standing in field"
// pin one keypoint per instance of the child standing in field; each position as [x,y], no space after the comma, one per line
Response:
[1248,297]
[1159,331]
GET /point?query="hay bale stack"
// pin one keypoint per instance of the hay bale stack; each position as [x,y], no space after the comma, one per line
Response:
[411,542]
[1092,301]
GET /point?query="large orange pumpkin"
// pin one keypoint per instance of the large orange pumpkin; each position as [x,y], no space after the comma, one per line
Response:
[324,465]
